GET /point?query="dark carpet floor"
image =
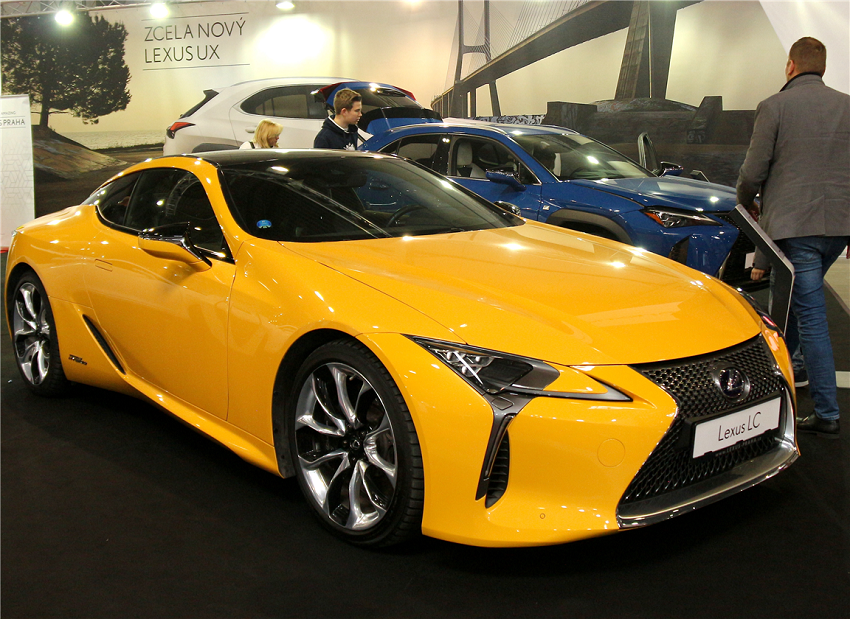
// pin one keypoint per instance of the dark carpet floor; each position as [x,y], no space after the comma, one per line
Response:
[111,508]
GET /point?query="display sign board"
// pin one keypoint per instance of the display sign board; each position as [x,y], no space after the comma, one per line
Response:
[783,271]
[17,198]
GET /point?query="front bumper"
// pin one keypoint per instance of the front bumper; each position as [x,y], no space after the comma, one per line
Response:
[568,463]
[745,475]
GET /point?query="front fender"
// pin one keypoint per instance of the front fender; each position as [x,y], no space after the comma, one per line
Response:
[584,220]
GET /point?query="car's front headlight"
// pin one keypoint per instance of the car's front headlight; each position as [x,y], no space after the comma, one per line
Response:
[672,218]
[494,373]
[508,383]
[490,372]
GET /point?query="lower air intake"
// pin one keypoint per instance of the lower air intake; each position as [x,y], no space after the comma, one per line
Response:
[499,476]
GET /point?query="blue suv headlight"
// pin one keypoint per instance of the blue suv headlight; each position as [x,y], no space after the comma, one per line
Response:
[672,218]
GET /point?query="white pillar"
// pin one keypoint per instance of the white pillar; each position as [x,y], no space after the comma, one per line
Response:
[17,197]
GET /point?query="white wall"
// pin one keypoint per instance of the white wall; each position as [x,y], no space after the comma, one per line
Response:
[829,22]
[399,43]
[726,48]
[580,74]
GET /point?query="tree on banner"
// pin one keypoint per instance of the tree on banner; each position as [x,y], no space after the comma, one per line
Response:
[78,69]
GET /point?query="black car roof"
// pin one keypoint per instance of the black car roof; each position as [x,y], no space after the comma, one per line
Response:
[228,158]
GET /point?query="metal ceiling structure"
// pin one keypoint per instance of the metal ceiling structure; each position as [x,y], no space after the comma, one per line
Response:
[10,8]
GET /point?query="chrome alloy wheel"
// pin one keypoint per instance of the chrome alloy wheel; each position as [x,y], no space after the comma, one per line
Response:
[31,333]
[346,447]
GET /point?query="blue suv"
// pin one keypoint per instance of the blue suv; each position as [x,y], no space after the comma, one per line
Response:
[567,179]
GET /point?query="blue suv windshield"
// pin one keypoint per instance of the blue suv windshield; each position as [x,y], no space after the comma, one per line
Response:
[571,157]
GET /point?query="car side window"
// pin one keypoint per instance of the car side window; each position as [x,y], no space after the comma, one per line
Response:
[286,102]
[474,157]
[113,199]
[391,148]
[188,202]
[147,204]
[428,150]
[164,197]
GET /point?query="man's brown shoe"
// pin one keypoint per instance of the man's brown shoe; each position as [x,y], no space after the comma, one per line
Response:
[815,425]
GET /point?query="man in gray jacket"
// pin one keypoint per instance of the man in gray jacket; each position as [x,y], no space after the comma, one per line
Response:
[799,158]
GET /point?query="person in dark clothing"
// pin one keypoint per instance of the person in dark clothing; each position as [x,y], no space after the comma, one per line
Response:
[800,162]
[340,132]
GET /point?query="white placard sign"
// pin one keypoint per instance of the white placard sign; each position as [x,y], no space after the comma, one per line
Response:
[17,198]
[721,432]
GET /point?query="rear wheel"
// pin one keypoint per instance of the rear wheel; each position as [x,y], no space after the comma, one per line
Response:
[34,338]
[354,446]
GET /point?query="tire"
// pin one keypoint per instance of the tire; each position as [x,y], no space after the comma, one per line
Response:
[354,447]
[34,338]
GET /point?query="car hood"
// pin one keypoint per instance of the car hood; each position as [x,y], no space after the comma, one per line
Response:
[670,191]
[538,291]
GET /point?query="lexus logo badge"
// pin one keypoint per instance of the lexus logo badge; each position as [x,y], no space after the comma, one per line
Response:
[732,382]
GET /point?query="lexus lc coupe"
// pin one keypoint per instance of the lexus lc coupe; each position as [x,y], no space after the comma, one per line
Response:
[420,359]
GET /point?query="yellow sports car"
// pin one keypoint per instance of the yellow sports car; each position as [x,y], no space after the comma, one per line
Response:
[419,358]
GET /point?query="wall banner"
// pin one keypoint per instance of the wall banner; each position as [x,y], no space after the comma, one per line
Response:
[212,40]
[17,197]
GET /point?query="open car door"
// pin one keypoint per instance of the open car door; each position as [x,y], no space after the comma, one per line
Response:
[648,158]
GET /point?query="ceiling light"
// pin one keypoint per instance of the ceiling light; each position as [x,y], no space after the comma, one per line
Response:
[286,5]
[64,17]
[159,10]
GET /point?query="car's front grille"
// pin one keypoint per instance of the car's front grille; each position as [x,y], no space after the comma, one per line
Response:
[690,383]
[735,270]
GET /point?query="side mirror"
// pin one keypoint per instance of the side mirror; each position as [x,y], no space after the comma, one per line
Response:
[670,169]
[505,178]
[511,208]
[173,242]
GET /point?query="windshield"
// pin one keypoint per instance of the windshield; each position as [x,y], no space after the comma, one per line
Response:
[571,157]
[332,198]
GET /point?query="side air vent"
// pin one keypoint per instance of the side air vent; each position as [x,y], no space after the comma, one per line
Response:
[679,253]
[735,269]
[103,344]
[499,476]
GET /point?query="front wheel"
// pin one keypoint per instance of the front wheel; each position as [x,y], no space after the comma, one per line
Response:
[34,338]
[354,446]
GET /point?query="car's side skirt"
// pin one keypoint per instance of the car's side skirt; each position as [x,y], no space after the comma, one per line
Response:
[88,363]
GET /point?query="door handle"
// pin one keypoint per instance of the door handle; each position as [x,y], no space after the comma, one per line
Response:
[247,130]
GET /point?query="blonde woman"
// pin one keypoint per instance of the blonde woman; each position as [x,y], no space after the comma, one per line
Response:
[265,135]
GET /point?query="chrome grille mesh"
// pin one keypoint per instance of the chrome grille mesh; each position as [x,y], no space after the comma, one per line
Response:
[689,382]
